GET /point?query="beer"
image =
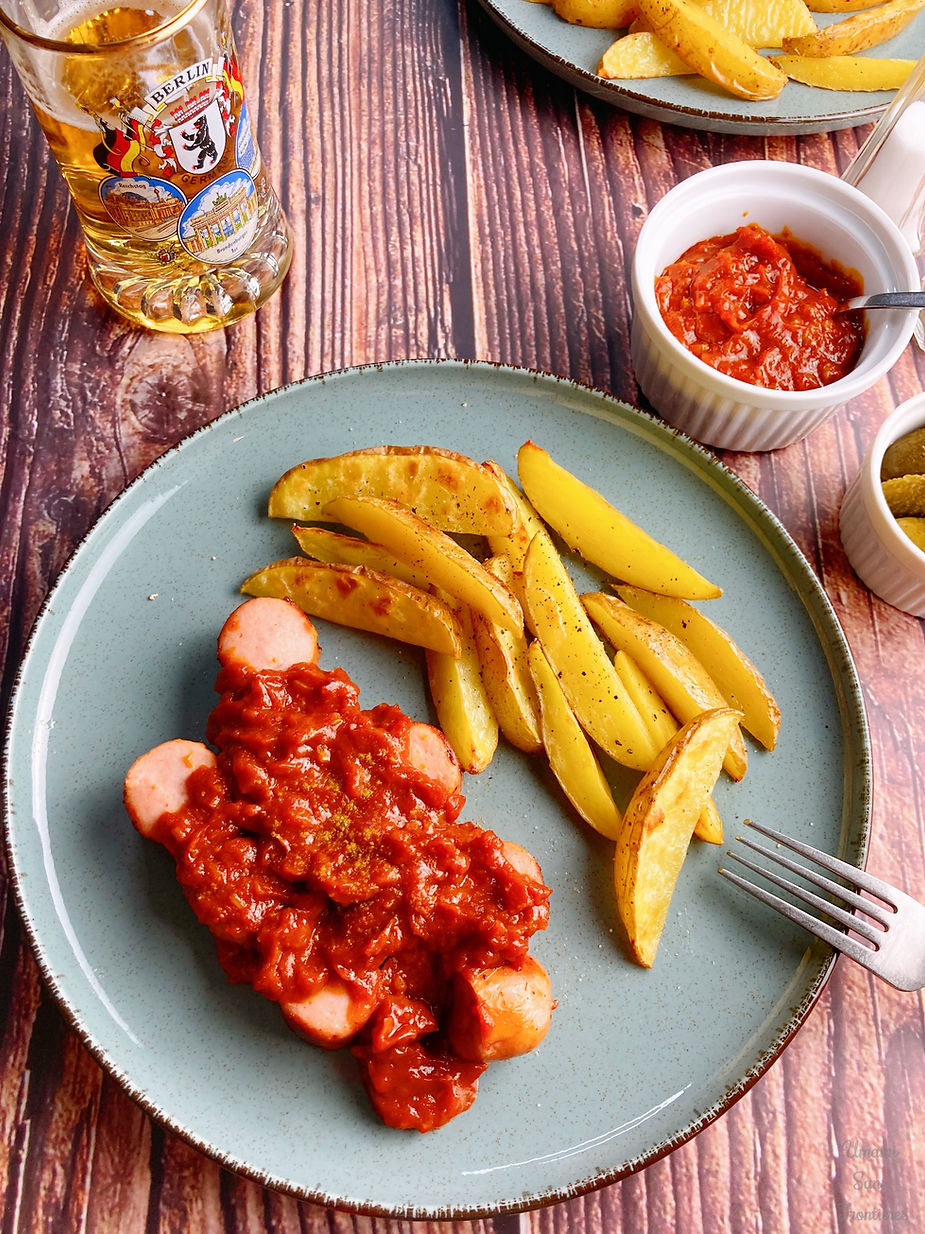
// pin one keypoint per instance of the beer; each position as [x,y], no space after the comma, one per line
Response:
[148,120]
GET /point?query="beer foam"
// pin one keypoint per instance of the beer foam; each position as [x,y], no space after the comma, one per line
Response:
[75,12]
[58,101]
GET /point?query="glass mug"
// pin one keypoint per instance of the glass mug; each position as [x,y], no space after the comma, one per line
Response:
[145,113]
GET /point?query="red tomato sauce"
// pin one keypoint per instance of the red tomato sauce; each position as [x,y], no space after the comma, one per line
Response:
[762,309]
[314,851]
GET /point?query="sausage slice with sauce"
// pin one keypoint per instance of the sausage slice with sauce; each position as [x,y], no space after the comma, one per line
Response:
[490,1012]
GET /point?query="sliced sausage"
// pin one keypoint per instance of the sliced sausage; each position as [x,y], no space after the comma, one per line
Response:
[156,782]
[522,861]
[431,753]
[499,1012]
[265,633]
[331,1015]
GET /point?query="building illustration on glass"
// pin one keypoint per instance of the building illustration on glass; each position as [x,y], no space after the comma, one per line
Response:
[217,225]
[146,207]
[226,216]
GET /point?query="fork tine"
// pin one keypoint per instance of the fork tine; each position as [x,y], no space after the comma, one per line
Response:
[808,897]
[828,934]
[859,878]
[870,907]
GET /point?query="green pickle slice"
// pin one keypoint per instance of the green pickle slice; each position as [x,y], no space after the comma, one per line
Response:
[904,457]
[902,475]
[905,495]
[914,529]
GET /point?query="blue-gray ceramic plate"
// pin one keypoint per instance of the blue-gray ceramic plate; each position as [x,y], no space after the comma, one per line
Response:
[636,1061]
[573,53]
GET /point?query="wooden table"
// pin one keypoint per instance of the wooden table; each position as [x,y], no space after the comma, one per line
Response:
[448,198]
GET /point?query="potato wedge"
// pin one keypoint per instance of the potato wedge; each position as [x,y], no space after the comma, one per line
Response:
[361,599]
[570,755]
[659,822]
[846,72]
[762,25]
[600,533]
[322,544]
[663,726]
[855,33]
[514,545]
[674,671]
[709,825]
[594,690]
[838,6]
[661,723]
[738,680]
[711,50]
[914,528]
[638,56]
[448,490]
[506,674]
[435,555]
[510,689]
[598,14]
[464,711]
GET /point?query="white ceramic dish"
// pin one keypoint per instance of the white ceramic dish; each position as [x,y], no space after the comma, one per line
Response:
[883,556]
[820,210]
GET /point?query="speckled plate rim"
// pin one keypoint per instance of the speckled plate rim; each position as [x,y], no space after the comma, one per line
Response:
[791,561]
[642,102]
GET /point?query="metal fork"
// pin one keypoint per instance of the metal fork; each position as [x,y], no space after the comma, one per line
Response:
[894,937]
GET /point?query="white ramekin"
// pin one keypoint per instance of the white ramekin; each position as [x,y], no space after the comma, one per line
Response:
[820,210]
[883,556]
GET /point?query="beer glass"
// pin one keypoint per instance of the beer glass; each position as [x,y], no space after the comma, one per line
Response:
[145,112]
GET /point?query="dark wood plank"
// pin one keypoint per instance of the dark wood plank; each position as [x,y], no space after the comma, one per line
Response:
[447,198]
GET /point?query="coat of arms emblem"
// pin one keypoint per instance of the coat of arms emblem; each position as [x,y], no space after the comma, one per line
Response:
[199,142]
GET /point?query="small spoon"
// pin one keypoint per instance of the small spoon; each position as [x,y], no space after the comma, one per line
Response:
[885,300]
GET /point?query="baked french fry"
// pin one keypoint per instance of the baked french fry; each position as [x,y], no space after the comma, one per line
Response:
[641,54]
[674,671]
[591,684]
[838,6]
[760,25]
[855,33]
[570,755]
[659,720]
[598,14]
[361,599]
[736,677]
[763,24]
[711,50]
[663,725]
[865,73]
[506,674]
[588,523]
[448,490]
[709,825]
[322,544]
[515,543]
[658,824]
[435,555]
[461,701]
[638,56]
